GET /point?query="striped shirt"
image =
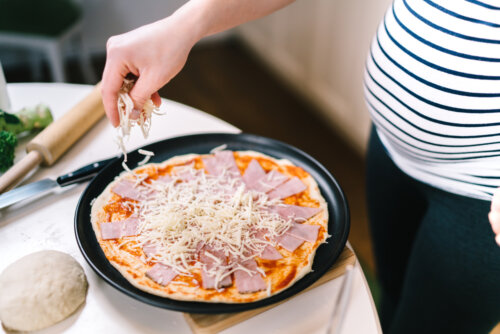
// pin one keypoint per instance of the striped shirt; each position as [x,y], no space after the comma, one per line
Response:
[432,85]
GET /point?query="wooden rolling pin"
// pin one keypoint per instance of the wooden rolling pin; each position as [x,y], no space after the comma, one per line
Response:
[57,138]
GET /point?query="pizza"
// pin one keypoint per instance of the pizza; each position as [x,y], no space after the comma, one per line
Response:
[230,227]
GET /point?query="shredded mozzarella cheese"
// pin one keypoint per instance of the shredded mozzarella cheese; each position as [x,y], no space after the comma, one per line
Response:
[179,283]
[218,148]
[215,211]
[147,154]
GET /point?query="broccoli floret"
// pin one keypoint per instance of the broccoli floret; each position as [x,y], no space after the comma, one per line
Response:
[10,123]
[8,142]
[23,121]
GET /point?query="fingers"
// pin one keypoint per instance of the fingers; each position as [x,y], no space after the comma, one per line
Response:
[111,84]
[134,114]
[495,202]
[494,215]
[156,99]
[112,80]
[142,91]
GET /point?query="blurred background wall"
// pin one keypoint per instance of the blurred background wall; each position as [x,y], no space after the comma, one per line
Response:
[319,47]
[104,18]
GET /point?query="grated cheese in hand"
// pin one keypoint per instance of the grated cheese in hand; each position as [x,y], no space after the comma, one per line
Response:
[125,108]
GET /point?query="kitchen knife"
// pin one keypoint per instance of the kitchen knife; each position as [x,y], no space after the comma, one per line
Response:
[46,185]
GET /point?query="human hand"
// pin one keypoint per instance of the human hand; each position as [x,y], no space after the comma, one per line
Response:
[494,215]
[154,53]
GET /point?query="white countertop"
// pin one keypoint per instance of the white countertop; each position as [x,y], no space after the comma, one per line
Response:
[47,223]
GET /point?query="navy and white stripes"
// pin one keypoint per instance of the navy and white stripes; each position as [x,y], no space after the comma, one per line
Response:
[432,86]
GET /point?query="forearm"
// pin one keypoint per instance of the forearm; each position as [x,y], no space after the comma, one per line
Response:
[207,17]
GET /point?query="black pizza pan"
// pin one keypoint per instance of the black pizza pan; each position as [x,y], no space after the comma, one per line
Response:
[327,253]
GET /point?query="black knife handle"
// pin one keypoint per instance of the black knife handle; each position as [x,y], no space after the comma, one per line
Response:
[83,174]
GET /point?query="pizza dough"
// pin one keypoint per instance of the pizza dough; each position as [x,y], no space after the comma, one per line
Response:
[117,214]
[40,290]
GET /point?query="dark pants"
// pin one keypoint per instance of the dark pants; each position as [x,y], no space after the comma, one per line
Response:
[437,260]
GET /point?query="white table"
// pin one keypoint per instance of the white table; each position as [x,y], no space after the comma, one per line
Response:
[47,223]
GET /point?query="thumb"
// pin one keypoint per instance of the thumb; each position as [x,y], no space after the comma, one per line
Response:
[141,92]
[494,218]
[495,202]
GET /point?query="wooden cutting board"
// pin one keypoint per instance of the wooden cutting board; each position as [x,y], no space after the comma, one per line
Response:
[214,323]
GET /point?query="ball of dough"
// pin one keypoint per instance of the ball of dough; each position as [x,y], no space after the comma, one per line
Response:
[40,290]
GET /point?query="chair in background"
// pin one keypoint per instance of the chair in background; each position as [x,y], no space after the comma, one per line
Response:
[45,26]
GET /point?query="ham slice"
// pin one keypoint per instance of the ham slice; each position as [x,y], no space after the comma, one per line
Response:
[119,229]
[289,188]
[161,274]
[199,246]
[211,167]
[149,249]
[188,175]
[295,212]
[289,242]
[304,231]
[126,188]
[270,181]
[226,162]
[247,283]
[260,233]
[270,253]
[208,280]
[222,162]
[164,179]
[253,173]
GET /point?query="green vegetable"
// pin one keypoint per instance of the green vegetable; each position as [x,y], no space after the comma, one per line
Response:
[24,121]
[8,142]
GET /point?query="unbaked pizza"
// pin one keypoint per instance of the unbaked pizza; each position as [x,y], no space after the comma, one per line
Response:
[229,227]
